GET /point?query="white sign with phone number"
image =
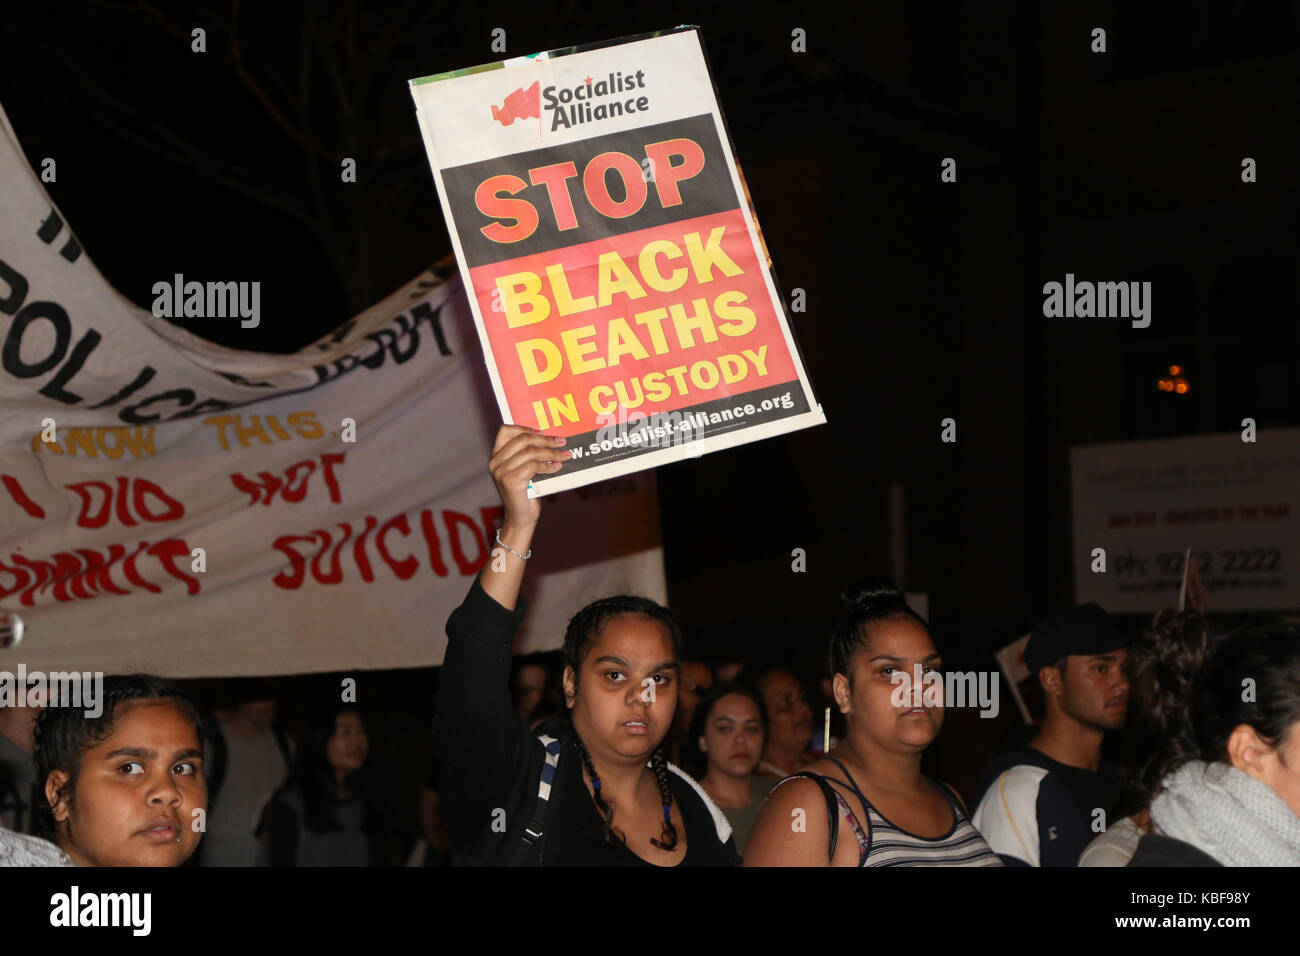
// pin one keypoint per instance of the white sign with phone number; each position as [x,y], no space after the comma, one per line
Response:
[1236,504]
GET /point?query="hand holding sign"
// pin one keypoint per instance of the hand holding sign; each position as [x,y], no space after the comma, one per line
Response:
[518,454]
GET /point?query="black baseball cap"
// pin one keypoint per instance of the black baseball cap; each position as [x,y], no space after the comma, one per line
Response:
[1085,630]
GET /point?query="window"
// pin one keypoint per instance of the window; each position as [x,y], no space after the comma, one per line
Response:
[1172,305]
[1254,292]
[1258,383]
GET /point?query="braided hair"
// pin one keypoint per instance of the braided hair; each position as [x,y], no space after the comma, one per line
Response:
[583,629]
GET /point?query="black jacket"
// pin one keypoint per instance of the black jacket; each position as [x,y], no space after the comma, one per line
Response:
[491,763]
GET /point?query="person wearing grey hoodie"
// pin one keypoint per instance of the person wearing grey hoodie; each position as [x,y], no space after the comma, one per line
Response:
[19,849]
[1230,793]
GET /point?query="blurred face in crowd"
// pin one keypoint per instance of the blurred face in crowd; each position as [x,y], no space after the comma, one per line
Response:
[260,713]
[788,714]
[18,724]
[696,678]
[1094,690]
[883,703]
[133,799]
[729,671]
[348,748]
[733,736]
[624,697]
[530,684]
[1278,766]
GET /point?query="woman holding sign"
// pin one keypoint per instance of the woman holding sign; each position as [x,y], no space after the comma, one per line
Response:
[595,789]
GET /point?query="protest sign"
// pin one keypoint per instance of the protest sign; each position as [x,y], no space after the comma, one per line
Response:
[175,506]
[1011,661]
[614,266]
[1139,507]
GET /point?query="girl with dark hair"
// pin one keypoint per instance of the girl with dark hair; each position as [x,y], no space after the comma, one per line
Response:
[1162,663]
[325,814]
[722,750]
[535,687]
[600,791]
[877,650]
[124,788]
[1229,791]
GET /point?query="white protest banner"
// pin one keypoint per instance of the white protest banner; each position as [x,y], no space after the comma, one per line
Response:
[174,506]
[1138,506]
[616,273]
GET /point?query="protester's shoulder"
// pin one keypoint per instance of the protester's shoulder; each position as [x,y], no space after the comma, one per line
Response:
[553,727]
[1114,847]
[1009,759]
[549,736]
[1159,850]
[784,793]
[1013,773]
[697,805]
[19,849]
[698,808]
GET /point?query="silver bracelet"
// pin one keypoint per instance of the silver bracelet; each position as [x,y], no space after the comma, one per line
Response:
[522,557]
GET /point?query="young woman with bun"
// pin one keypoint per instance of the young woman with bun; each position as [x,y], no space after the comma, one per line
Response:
[1229,791]
[867,802]
[593,789]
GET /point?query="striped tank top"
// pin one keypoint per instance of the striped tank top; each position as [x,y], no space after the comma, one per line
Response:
[882,843]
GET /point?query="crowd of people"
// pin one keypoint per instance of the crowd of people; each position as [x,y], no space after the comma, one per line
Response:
[617,750]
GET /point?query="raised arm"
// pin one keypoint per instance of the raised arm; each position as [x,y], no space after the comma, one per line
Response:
[483,744]
[518,454]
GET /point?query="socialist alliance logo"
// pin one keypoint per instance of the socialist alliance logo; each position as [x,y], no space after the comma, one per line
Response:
[521,104]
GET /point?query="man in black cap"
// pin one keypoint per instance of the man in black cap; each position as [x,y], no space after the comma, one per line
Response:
[1041,805]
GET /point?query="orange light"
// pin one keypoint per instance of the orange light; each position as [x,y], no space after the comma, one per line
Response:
[1181,388]
[1175,370]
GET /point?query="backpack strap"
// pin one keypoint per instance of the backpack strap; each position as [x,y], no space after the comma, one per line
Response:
[537,825]
[954,798]
[832,810]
